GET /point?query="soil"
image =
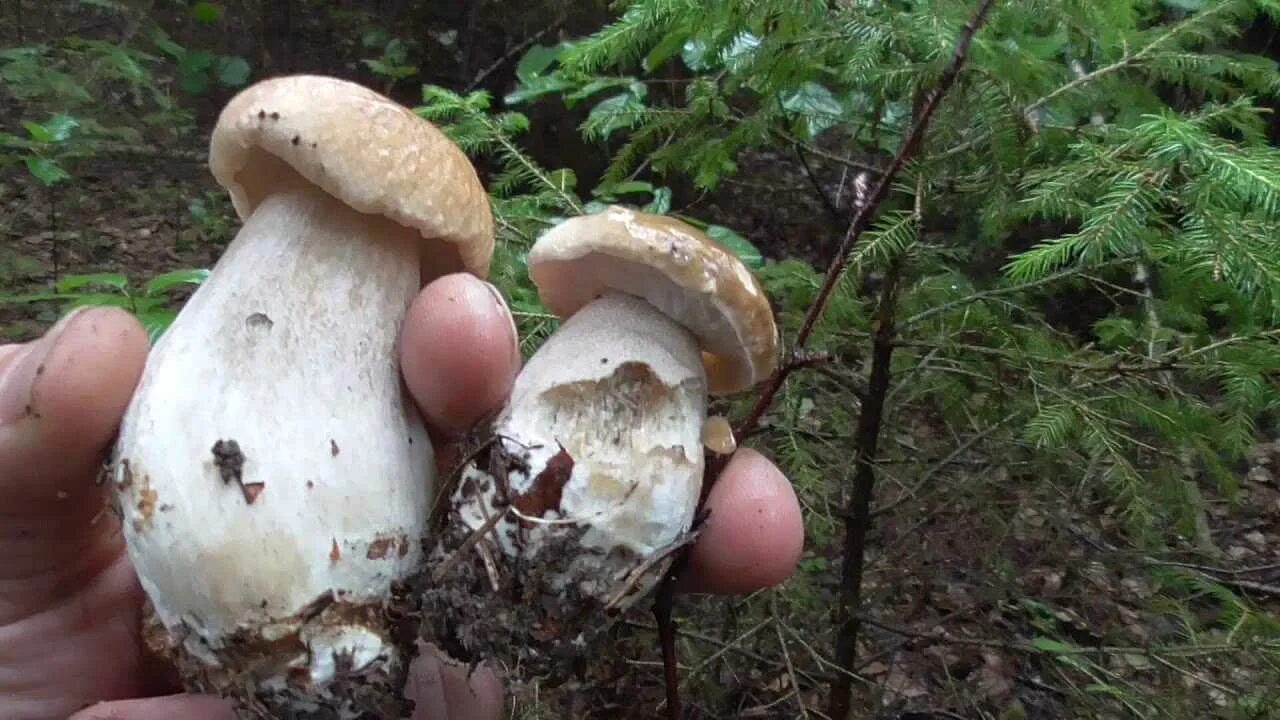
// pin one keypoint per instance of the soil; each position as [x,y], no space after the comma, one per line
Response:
[370,693]
[508,610]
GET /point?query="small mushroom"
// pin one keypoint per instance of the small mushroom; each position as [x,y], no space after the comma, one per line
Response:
[718,437]
[591,478]
[261,576]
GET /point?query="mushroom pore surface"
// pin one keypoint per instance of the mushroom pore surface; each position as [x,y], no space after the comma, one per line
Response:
[272,477]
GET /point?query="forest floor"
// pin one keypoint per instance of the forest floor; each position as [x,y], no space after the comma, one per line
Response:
[984,597]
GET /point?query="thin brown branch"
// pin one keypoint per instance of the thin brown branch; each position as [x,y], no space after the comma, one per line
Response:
[1012,289]
[866,211]
[944,462]
[702,637]
[1214,570]
[870,418]
[1081,80]
[1122,63]
[838,159]
[786,656]
[862,219]
[1111,366]
[667,638]
[511,54]
[827,202]
[858,517]
[1248,587]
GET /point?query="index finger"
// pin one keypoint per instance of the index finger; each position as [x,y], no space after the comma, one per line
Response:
[458,352]
[755,533]
[61,400]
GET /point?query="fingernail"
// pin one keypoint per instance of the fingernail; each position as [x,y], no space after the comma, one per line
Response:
[16,398]
[505,309]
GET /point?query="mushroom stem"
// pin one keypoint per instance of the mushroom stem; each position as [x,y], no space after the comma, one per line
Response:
[272,477]
[592,478]
[621,388]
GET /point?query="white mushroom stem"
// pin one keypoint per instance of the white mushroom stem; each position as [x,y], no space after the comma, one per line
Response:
[288,349]
[621,389]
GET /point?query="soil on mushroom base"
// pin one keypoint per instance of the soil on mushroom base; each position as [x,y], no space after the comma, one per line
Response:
[529,614]
[375,692]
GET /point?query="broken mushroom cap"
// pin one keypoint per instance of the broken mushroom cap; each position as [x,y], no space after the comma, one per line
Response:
[680,270]
[366,150]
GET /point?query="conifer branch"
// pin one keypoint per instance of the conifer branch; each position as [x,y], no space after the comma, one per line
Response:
[1012,289]
[1084,79]
[866,212]
[520,158]
[1127,60]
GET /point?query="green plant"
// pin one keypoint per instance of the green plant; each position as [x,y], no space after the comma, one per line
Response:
[117,92]
[197,70]
[1078,265]
[150,301]
[393,63]
[39,151]
[212,216]
[1181,186]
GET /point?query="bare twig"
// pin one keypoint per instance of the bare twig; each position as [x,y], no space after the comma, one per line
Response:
[858,516]
[475,537]
[1122,63]
[827,202]
[839,160]
[870,421]
[1194,676]
[786,656]
[511,54]
[662,614]
[702,637]
[995,292]
[944,462]
[1190,650]
[731,645]
[1213,570]
[1252,587]
[1225,342]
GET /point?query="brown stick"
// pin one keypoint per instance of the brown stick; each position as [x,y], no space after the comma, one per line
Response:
[865,213]
[667,629]
[858,517]
[511,54]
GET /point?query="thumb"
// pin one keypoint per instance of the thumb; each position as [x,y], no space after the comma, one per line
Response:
[188,707]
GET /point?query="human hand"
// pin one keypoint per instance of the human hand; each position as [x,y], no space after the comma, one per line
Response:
[70,604]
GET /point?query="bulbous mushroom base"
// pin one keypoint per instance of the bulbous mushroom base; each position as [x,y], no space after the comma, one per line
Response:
[542,613]
[579,499]
[273,477]
[338,661]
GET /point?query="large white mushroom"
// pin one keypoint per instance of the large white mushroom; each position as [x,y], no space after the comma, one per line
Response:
[272,475]
[591,477]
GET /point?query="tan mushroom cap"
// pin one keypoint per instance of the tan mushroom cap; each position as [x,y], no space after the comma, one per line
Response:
[695,280]
[360,147]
